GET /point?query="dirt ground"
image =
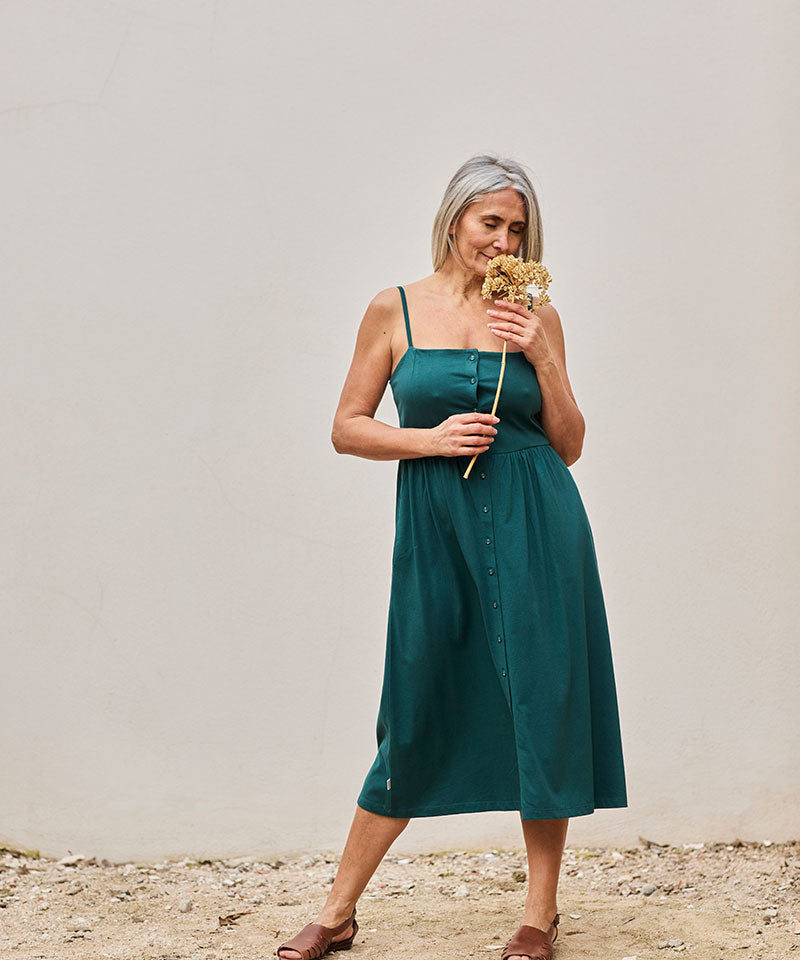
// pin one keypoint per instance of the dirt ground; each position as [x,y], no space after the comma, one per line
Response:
[740,900]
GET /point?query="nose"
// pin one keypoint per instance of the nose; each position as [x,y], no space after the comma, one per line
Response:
[501,242]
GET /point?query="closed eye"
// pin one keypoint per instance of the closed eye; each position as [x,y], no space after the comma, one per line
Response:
[493,225]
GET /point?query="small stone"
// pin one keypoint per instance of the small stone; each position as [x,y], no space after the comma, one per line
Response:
[647,889]
[185,906]
[460,890]
[70,861]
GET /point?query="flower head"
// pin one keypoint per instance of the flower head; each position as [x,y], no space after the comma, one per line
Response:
[508,278]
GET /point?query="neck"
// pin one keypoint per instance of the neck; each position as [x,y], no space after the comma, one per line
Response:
[459,284]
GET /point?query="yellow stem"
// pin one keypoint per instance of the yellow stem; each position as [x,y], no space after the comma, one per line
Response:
[496,398]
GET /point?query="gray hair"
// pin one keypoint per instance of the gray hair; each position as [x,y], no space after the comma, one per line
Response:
[475,178]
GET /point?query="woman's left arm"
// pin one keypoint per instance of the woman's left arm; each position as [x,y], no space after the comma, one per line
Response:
[541,338]
[562,420]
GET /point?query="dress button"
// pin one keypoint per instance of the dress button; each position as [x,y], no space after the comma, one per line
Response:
[494,604]
[504,673]
[491,571]
[472,356]
[485,509]
[488,541]
[499,639]
[472,379]
[483,476]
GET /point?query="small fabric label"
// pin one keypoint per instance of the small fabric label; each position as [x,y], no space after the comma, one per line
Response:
[389,784]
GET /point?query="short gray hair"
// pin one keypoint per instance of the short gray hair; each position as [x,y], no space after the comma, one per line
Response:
[475,178]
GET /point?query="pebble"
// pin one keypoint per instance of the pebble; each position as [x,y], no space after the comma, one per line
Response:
[746,878]
[71,861]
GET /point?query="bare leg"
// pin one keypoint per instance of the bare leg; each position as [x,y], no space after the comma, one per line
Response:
[369,838]
[544,841]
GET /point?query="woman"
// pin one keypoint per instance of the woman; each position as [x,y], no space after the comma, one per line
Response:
[498,688]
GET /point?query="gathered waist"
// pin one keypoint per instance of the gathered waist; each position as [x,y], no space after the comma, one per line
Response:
[498,448]
[481,456]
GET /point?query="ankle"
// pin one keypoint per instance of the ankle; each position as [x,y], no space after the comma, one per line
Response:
[541,913]
[335,912]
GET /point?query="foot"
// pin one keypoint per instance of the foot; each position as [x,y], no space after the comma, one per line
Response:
[543,921]
[327,918]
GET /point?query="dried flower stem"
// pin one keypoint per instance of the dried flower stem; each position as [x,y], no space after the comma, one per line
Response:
[510,277]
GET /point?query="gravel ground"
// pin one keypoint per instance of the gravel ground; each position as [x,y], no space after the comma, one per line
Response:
[740,899]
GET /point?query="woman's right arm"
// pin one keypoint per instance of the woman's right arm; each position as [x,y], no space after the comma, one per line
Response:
[355,431]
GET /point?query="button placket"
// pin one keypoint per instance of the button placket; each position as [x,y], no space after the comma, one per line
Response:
[473,380]
[495,615]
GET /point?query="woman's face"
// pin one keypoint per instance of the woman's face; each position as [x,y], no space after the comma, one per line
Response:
[490,226]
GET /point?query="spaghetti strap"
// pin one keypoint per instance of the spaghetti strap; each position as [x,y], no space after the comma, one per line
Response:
[405,314]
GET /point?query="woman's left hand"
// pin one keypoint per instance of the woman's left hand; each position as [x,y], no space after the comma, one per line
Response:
[516,324]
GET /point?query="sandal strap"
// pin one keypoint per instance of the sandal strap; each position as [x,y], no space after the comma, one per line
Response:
[531,942]
[315,938]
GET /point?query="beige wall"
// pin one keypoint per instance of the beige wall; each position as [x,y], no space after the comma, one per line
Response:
[199,200]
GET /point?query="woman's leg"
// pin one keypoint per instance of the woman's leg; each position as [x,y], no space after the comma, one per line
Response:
[544,842]
[369,838]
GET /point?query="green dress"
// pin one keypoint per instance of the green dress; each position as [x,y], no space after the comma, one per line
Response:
[498,687]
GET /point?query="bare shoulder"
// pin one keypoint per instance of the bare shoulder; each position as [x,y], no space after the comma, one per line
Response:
[386,299]
[547,312]
[381,315]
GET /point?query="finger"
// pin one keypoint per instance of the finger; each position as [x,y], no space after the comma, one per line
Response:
[507,317]
[477,435]
[477,426]
[481,434]
[476,445]
[476,417]
[510,305]
[507,334]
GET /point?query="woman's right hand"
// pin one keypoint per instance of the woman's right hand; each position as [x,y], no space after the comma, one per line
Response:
[463,435]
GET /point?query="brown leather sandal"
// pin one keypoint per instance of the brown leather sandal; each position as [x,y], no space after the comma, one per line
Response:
[532,942]
[315,940]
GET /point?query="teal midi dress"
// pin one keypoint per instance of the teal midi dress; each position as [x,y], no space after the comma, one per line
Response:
[498,685]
